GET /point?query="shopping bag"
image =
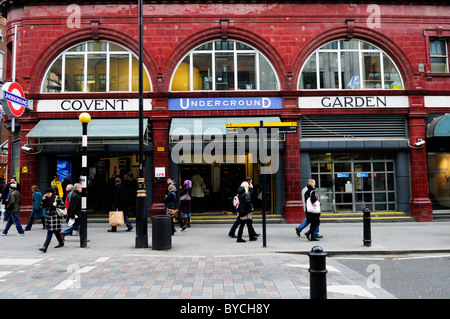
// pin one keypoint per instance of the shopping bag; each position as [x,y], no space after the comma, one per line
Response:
[116,218]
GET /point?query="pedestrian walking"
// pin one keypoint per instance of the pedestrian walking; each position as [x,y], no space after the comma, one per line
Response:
[132,186]
[237,222]
[5,196]
[121,204]
[312,217]
[50,201]
[73,206]
[171,208]
[245,211]
[185,202]
[305,223]
[37,211]
[15,199]
[198,187]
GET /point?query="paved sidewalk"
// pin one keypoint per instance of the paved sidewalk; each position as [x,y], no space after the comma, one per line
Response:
[204,263]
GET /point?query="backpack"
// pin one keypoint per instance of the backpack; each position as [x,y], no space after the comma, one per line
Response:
[236,201]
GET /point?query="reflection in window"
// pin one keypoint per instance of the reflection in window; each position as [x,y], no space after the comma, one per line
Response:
[222,66]
[95,66]
[349,64]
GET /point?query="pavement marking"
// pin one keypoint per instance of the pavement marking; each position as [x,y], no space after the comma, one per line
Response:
[351,290]
[422,257]
[354,290]
[4,273]
[18,262]
[101,259]
[328,267]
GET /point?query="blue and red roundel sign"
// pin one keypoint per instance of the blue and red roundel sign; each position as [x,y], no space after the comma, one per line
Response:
[13,99]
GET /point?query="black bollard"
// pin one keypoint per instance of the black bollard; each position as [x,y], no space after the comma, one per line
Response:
[367,237]
[161,232]
[318,273]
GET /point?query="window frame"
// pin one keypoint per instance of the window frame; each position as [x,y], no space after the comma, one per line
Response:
[446,56]
[235,53]
[339,52]
[108,53]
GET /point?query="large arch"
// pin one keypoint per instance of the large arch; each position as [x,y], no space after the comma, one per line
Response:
[233,33]
[373,37]
[60,45]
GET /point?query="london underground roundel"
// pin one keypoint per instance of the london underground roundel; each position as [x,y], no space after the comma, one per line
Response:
[13,99]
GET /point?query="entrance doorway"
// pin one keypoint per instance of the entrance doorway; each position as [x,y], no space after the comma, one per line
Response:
[221,183]
[102,170]
[351,182]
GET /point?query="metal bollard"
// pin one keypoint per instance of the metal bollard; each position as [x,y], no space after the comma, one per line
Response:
[318,273]
[161,232]
[367,237]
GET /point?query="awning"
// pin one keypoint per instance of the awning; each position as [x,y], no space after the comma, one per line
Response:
[100,131]
[440,126]
[199,126]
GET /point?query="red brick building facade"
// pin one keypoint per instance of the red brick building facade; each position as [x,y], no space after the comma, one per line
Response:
[363,81]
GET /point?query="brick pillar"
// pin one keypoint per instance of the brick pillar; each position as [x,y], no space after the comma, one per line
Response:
[160,127]
[293,207]
[420,205]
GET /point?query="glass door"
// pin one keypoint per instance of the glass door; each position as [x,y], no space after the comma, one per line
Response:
[351,182]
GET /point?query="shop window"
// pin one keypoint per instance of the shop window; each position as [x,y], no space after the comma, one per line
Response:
[222,66]
[438,56]
[95,66]
[350,65]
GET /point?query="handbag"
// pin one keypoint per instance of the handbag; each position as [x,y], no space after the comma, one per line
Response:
[313,207]
[172,212]
[116,218]
[185,197]
[61,211]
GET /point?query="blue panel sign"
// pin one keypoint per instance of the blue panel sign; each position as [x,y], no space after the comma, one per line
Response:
[342,175]
[362,175]
[226,103]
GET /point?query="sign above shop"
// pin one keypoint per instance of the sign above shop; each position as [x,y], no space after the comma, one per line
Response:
[92,105]
[227,103]
[318,102]
[13,99]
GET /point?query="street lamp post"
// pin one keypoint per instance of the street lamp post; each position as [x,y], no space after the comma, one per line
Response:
[84,118]
[141,216]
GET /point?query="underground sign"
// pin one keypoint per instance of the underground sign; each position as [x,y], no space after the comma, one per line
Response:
[13,99]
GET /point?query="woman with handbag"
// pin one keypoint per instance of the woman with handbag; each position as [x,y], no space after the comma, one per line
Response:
[185,202]
[171,207]
[312,210]
[50,201]
[245,211]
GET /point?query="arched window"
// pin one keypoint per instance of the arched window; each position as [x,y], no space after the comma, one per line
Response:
[350,65]
[224,65]
[95,66]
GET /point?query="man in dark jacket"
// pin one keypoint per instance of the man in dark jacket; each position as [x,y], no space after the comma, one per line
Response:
[121,204]
[74,210]
[15,199]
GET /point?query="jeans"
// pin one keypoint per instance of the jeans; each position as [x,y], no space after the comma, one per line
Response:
[304,224]
[71,228]
[13,218]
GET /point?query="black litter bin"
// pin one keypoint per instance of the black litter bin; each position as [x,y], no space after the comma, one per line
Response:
[161,232]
